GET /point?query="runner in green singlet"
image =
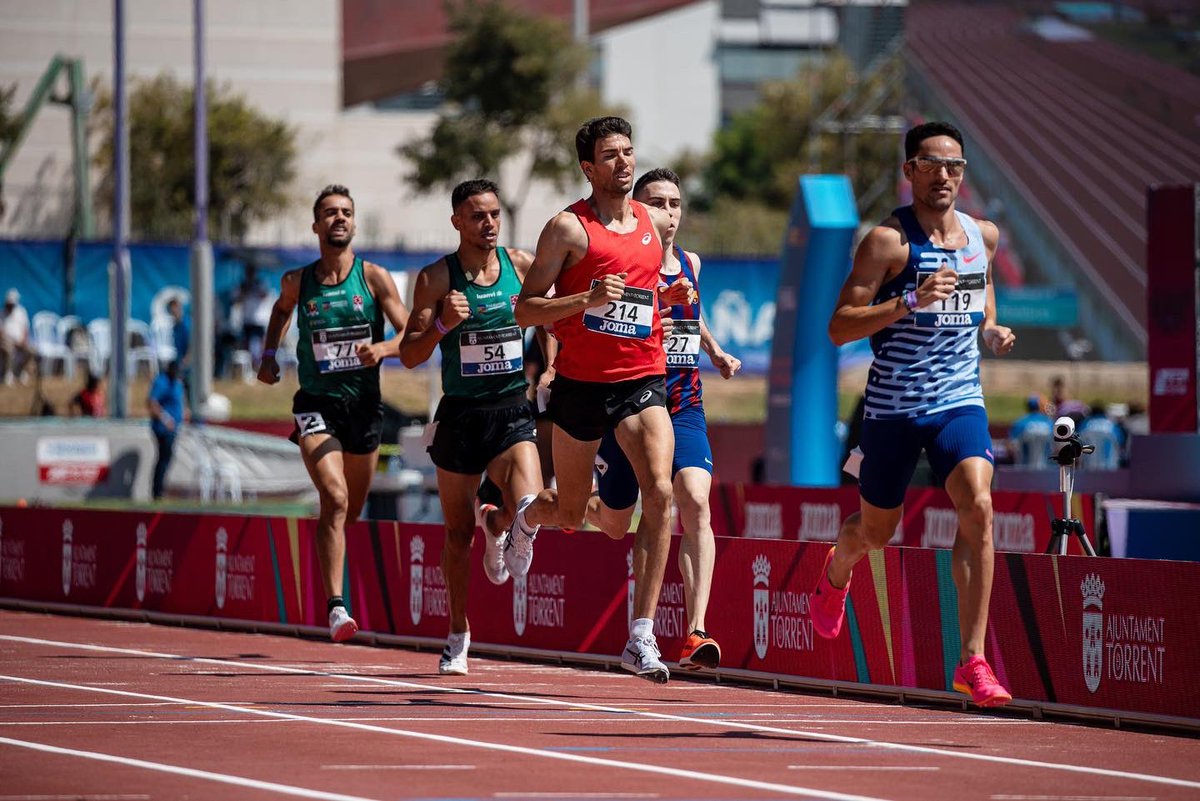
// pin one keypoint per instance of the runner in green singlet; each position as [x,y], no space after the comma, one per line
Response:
[463,304]
[341,302]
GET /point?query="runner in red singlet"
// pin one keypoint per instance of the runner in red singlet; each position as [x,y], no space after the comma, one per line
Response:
[602,257]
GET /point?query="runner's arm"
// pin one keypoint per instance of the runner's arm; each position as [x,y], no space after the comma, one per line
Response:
[999,338]
[281,318]
[561,237]
[422,337]
[388,299]
[728,364]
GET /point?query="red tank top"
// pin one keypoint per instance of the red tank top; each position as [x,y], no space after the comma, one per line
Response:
[619,340]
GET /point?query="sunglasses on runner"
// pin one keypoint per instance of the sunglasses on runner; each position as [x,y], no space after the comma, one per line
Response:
[927,164]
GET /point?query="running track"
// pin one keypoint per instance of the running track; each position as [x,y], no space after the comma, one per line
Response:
[118,711]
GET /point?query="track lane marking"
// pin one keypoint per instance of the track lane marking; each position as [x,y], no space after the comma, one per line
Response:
[676,773]
[816,735]
[162,767]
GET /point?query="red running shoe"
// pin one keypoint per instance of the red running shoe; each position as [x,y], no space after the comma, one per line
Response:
[700,651]
[975,678]
[828,610]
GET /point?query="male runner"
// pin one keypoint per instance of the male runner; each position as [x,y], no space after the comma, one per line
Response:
[611,509]
[921,289]
[342,301]
[463,304]
[602,257]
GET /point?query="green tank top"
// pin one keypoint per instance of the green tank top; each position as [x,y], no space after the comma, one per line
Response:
[333,320]
[483,356]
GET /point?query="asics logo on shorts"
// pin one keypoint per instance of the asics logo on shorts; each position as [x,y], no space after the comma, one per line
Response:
[645,396]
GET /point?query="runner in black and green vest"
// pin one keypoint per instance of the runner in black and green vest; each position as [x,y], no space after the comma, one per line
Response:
[463,304]
[341,302]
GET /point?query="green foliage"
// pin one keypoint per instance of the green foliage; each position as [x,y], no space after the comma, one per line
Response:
[251,161]
[10,119]
[758,157]
[512,86]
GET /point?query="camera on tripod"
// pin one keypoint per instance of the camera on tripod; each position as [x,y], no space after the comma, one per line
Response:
[1068,447]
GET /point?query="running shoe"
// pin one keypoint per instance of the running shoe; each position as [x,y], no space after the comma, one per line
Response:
[975,678]
[493,545]
[454,655]
[642,658]
[828,603]
[700,651]
[341,626]
[518,546]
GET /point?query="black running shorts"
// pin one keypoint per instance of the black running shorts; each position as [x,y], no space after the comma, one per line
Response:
[587,410]
[354,422]
[469,433]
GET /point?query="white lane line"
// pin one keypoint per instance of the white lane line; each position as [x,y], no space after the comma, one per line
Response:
[758,727]
[862,767]
[677,773]
[436,718]
[223,778]
[397,767]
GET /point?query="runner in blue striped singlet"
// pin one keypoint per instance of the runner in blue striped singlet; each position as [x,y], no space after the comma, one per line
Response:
[921,289]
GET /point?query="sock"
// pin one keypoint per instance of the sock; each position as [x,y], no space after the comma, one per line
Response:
[456,638]
[333,603]
[522,523]
[642,628]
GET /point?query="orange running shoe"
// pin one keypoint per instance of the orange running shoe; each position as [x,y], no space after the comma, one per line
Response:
[828,610]
[700,651]
[975,678]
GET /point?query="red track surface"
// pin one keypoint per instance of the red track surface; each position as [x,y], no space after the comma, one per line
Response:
[201,714]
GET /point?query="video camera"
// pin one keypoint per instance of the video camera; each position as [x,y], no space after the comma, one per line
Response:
[1068,447]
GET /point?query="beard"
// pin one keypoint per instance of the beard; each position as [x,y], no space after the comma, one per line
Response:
[339,240]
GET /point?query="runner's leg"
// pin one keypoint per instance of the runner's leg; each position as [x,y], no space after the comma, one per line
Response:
[456,492]
[697,550]
[517,472]
[323,456]
[969,487]
[649,441]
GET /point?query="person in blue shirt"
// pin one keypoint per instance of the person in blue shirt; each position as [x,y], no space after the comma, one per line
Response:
[1031,435]
[181,333]
[167,412]
[1100,430]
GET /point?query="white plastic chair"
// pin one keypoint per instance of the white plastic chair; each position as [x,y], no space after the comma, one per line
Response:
[50,346]
[162,330]
[79,348]
[100,342]
[141,348]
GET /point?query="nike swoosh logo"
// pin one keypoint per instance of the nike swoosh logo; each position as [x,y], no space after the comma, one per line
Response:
[969,259]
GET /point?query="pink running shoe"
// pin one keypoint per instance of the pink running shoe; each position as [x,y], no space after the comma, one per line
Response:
[976,679]
[828,603]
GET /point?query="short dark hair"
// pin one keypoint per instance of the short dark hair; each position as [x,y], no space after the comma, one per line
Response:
[927,130]
[596,129]
[659,174]
[469,189]
[331,189]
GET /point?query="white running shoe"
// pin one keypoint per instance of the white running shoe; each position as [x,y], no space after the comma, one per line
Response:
[518,548]
[642,658]
[341,626]
[454,655]
[493,545]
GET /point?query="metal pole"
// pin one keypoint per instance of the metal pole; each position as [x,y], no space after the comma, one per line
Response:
[201,346]
[119,270]
[581,21]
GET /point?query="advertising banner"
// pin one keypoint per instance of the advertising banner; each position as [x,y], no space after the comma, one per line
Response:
[1113,634]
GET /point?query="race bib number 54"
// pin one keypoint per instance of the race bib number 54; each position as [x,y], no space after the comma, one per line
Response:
[631,316]
[491,352]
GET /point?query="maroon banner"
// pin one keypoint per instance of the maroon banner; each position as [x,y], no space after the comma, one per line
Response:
[1113,634]
[1172,274]
[1021,520]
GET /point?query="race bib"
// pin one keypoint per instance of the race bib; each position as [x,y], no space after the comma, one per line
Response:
[964,307]
[495,352]
[683,346]
[309,423]
[632,316]
[335,349]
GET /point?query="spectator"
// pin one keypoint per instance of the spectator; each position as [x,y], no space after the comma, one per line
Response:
[1031,434]
[1138,422]
[255,302]
[181,333]
[167,411]
[91,400]
[1063,406]
[1099,430]
[15,349]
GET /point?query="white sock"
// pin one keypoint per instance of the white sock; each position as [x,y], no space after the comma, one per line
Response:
[522,523]
[464,638]
[642,628]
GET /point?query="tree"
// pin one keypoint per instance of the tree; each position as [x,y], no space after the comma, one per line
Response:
[758,157]
[251,161]
[513,99]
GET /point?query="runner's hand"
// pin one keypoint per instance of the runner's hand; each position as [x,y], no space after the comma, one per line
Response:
[455,308]
[268,370]
[677,294]
[999,338]
[610,287]
[938,286]
[727,364]
[371,354]
[668,322]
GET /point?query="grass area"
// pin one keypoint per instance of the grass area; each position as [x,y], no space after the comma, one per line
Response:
[740,400]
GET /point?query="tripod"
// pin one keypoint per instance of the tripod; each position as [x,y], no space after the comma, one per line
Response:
[1062,528]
